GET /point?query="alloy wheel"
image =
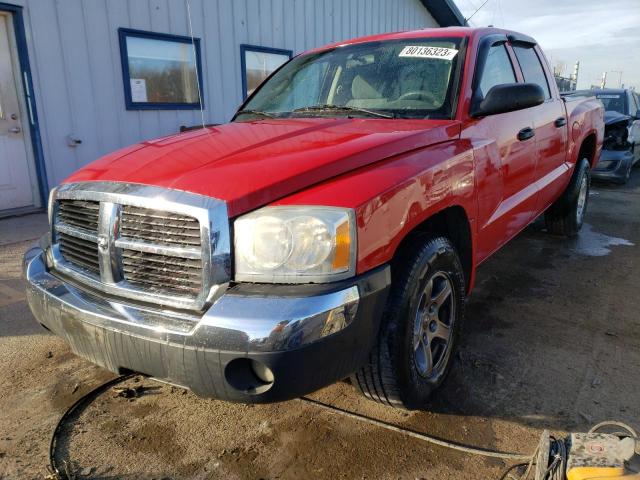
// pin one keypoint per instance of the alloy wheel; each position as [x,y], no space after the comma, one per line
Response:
[582,199]
[433,326]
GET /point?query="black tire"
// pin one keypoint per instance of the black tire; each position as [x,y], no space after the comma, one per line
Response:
[566,216]
[625,179]
[394,374]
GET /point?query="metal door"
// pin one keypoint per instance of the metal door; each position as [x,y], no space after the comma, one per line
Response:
[16,172]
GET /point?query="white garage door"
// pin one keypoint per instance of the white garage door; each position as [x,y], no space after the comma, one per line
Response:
[16,170]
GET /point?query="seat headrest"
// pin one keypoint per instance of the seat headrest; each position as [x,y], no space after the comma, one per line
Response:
[360,89]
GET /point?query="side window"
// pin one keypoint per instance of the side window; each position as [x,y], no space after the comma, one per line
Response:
[637,98]
[532,68]
[497,69]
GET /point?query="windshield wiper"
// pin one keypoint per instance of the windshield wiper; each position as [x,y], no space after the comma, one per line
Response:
[343,108]
[258,113]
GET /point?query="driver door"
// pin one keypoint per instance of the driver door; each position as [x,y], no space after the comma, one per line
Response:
[506,165]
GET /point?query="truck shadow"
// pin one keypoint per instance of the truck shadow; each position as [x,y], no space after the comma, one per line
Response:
[551,331]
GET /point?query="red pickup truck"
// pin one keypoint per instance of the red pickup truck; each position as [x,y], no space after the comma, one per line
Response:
[332,229]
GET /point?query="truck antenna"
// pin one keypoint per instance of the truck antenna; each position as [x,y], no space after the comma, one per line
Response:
[477,10]
[195,60]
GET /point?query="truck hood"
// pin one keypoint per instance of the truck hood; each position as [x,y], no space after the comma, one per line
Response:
[611,117]
[250,164]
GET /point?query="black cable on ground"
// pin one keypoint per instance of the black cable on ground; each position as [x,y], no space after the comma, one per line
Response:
[420,436]
[506,475]
[555,470]
[59,469]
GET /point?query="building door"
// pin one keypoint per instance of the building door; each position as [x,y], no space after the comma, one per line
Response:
[18,185]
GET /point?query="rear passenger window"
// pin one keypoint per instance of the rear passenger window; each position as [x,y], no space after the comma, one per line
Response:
[532,68]
[497,69]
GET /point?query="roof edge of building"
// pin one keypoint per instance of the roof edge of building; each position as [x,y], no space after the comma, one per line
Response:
[445,12]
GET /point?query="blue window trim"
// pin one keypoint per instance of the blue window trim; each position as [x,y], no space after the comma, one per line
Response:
[29,98]
[123,33]
[255,48]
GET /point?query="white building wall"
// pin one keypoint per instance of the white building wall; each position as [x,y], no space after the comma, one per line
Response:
[75,59]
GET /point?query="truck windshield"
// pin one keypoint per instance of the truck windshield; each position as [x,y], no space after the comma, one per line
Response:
[407,79]
[612,102]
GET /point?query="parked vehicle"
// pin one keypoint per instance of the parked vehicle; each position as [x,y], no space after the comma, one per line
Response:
[332,229]
[621,146]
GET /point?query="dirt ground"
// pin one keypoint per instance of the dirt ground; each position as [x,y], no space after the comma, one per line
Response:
[551,340]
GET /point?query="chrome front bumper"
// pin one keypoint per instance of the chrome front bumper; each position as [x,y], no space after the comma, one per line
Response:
[254,344]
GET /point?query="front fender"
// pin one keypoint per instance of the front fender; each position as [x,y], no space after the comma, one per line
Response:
[393,197]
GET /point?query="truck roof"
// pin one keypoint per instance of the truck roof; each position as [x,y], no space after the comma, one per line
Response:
[470,32]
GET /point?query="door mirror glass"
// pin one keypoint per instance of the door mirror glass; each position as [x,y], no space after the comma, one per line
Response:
[508,98]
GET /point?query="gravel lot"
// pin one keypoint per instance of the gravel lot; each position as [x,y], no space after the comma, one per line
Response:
[552,340]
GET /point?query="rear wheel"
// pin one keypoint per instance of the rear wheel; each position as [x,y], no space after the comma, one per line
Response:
[627,175]
[420,326]
[566,215]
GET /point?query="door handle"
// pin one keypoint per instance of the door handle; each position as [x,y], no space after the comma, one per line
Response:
[526,133]
[15,130]
[560,122]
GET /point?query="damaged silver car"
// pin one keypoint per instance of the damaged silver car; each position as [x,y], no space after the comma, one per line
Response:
[621,147]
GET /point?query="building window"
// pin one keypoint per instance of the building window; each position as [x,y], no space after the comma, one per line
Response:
[160,71]
[258,63]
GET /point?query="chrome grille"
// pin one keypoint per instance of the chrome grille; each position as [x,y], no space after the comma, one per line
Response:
[141,242]
[79,213]
[83,253]
[162,273]
[83,215]
[159,227]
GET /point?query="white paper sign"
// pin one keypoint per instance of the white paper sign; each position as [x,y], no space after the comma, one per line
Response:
[428,52]
[138,90]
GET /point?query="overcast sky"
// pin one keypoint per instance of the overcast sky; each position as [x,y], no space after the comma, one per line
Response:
[604,35]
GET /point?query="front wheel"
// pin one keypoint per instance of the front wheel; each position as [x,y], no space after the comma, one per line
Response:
[420,326]
[566,216]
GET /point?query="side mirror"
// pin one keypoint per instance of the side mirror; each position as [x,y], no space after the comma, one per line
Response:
[509,97]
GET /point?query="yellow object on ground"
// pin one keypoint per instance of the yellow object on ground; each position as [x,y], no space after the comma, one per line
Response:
[597,473]
[596,456]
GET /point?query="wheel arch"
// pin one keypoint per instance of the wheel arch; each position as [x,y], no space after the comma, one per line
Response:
[588,149]
[453,223]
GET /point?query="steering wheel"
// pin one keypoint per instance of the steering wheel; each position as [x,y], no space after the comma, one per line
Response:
[418,93]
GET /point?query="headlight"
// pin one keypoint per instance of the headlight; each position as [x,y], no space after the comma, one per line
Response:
[295,245]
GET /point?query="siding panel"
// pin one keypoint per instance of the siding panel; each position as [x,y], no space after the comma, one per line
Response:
[56,109]
[140,18]
[128,121]
[75,57]
[179,25]
[104,78]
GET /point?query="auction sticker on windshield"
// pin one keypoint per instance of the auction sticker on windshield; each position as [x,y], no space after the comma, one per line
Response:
[428,52]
